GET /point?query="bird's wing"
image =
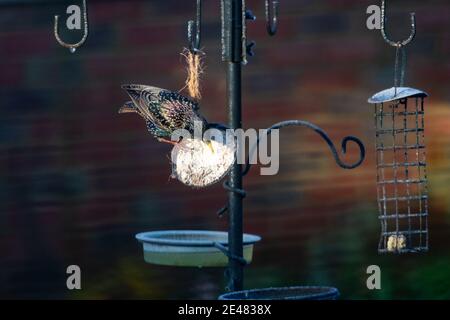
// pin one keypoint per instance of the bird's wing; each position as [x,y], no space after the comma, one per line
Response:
[141,102]
[157,131]
[167,110]
[178,110]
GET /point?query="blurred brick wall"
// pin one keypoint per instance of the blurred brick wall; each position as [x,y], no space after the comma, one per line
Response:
[77,180]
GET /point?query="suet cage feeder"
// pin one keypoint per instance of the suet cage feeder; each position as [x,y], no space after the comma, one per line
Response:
[400,157]
[401,170]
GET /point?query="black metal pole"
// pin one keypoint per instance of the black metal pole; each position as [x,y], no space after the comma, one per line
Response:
[232,38]
[235,199]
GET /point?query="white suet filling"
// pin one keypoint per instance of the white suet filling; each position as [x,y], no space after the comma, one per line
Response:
[198,163]
[396,243]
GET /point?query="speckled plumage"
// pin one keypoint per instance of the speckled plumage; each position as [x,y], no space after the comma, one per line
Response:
[164,111]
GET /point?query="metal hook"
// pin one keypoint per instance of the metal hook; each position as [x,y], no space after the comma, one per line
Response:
[272,17]
[73,47]
[383,30]
[323,134]
[194,42]
[300,123]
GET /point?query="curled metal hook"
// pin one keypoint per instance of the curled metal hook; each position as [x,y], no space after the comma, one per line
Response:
[73,47]
[194,35]
[301,123]
[383,29]
[272,16]
[240,192]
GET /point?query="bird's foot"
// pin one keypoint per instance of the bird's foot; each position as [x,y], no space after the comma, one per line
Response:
[167,141]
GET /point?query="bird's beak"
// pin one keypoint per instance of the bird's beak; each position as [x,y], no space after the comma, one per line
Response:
[209,144]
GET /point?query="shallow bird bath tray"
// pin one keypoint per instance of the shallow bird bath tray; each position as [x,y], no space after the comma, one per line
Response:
[191,248]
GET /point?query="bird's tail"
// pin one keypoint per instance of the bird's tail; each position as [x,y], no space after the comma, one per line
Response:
[141,95]
[128,107]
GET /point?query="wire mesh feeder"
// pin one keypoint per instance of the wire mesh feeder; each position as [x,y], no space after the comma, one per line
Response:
[285,293]
[401,170]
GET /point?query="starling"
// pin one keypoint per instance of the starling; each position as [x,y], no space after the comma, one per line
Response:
[164,111]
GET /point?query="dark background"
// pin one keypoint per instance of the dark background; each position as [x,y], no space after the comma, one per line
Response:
[78,180]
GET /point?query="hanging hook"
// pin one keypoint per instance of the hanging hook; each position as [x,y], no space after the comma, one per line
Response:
[299,123]
[323,134]
[73,47]
[383,30]
[272,16]
[194,41]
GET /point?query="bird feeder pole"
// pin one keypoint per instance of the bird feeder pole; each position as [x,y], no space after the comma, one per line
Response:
[232,44]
